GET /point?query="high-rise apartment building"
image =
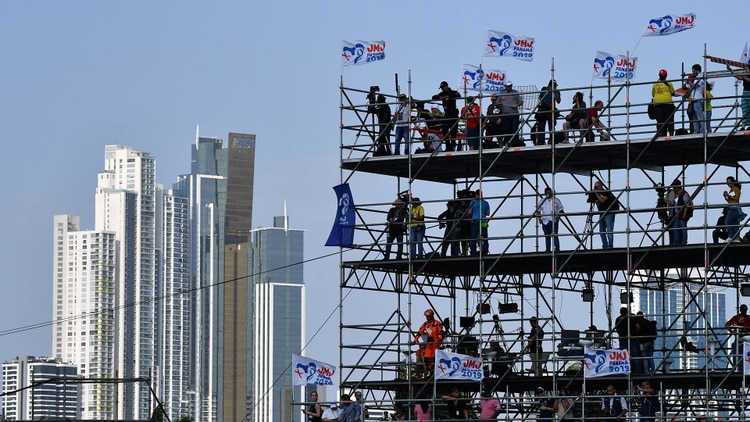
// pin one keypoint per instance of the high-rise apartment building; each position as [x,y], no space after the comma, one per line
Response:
[172,362]
[278,331]
[84,332]
[126,205]
[54,398]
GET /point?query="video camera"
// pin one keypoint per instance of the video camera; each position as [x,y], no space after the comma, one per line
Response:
[371,94]
[590,197]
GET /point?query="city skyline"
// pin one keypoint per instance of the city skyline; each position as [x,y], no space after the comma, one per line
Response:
[145,76]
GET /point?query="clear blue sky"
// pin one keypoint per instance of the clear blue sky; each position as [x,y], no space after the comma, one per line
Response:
[78,75]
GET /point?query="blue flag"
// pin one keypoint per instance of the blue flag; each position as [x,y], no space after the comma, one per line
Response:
[342,232]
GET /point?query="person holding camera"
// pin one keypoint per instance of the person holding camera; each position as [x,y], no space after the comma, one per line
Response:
[396,228]
[576,119]
[606,204]
[382,112]
[547,114]
[450,124]
[493,123]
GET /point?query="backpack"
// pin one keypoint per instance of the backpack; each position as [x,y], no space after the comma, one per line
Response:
[649,330]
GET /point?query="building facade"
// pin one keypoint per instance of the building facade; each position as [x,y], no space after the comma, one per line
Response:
[278,306]
[54,398]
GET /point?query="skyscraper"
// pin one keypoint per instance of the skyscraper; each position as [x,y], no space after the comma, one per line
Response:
[126,205]
[684,310]
[219,189]
[84,332]
[278,293]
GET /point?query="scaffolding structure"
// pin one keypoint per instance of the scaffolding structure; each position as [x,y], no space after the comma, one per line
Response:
[490,297]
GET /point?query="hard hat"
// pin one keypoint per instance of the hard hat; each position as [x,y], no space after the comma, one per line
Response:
[663,73]
[429,312]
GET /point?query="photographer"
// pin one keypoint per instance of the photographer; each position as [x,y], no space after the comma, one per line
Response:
[607,204]
[383,114]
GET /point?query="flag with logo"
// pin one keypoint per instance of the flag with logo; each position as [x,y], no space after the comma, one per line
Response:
[745,358]
[362,52]
[503,44]
[473,77]
[455,366]
[310,371]
[669,24]
[342,232]
[600,362]
[745,56]
[615,67]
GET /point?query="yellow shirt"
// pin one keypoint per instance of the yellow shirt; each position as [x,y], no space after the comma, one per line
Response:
[662,92]
[417,215]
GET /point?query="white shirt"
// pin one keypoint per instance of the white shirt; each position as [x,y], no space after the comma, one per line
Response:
[550,208]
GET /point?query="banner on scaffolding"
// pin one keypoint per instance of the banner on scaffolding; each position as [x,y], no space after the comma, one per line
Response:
[503,44]
[342,232]
[616,68]
[454,366]
[603,362]
[472,78]
[362,52]
[745,358]
[669,24]
[310,371]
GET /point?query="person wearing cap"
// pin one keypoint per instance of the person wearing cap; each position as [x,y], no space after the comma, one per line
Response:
[457,409]
[450,123]
[429,338]
[432,120]
[546,406]
[739,325]
[401,121]
[614,407]
[471,114]
[511,101]
[416,229]
[493,125]
[396,229]
[661,95]
[479,211]
[546,114]
[383,113]
[330,413]
[576,119]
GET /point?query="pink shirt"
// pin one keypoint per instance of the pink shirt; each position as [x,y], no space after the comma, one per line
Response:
[423,416]
[488,407]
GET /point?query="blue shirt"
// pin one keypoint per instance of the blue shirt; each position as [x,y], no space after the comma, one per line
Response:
[479,209]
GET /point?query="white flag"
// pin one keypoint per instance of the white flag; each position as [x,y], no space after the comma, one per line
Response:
[503,44]
[745,358]
[669,24]
[472,77]
[362,52]
[311,371]
[745,57]
[616,68]
[449,365]
[600,363]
